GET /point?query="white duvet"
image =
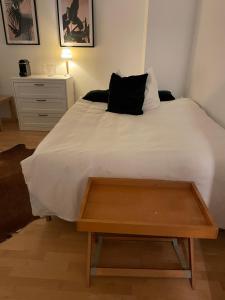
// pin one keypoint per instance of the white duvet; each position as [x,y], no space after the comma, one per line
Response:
[177,141]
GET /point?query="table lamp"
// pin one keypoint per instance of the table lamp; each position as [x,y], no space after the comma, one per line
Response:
[66,55]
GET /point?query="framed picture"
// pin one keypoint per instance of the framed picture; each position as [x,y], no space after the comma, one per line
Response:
[76,23]
[20,22]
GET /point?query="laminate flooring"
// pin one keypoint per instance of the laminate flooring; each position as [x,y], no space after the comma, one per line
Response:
[11,136]
[46,260]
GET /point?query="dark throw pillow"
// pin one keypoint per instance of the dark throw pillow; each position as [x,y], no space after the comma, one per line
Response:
[97,96]
[126,94]
[166,96]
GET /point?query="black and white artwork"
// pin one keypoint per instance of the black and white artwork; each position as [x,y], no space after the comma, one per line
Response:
[20,22]
[76,28]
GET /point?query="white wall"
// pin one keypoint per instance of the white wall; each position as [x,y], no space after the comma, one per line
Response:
[169,42]
[207,85]
[120,35]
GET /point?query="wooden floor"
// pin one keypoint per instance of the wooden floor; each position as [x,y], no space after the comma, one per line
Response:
[46,260]
[11,136]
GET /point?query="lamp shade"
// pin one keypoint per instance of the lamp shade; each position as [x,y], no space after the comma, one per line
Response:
[66,54]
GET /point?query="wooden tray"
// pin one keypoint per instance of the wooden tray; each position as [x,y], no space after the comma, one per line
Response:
[145,207]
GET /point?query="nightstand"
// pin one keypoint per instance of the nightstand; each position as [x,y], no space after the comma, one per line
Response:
[41,100]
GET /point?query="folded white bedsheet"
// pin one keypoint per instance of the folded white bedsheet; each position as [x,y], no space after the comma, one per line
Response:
[177,141]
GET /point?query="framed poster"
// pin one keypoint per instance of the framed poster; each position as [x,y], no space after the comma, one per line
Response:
[20,22]
[76,23]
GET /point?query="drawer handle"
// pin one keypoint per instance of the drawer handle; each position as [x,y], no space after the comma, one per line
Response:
[42,115]
[41,100]
[39,84]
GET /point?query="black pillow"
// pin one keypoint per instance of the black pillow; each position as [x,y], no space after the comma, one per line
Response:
[126,94]
[165,95]
[97,96]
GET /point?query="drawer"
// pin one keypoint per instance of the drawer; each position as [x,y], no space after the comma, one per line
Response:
[39,89]
[38,121]
[41,104]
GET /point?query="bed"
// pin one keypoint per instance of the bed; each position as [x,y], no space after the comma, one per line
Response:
[176,141]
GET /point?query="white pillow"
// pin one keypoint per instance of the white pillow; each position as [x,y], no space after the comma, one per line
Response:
[151,92]
[152,99]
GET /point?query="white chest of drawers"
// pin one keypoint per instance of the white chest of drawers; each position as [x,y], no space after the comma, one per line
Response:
[41,100]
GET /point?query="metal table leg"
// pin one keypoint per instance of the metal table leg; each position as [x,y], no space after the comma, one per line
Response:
[179,254]
[96,256]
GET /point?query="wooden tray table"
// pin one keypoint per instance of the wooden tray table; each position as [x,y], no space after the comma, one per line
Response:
[133,208]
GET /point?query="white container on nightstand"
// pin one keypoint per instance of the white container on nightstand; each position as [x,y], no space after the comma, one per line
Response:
[42,100]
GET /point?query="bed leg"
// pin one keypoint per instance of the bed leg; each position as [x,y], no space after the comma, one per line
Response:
[48,218]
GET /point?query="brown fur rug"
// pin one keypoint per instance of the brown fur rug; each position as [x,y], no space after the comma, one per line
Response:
[15,209]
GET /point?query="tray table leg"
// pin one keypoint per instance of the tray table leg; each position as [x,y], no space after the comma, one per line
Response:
[97,252]
[94,270]
[191,261]
[179,253]
[89,248]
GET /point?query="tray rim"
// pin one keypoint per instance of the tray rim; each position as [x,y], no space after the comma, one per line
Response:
[209,230]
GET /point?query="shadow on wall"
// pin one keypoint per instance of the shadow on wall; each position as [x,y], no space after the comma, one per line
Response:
[193,48]
[206,83]
[214,105]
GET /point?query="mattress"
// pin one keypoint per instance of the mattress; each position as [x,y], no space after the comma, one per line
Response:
[176,141]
